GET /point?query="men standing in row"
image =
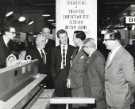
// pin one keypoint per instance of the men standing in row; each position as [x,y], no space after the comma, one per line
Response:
[93,81]
[8,34]
[61,63]
[119,73]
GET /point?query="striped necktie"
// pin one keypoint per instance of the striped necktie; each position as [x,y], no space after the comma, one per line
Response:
[64,56]
[43,56]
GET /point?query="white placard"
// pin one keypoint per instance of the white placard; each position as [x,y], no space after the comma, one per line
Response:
[74,15]
[130,20]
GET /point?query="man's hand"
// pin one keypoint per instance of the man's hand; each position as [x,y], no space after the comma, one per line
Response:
[68,83]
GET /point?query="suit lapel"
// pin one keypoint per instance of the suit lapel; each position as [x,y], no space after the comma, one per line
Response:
[78,55]
[92,58]
[38,54]
[115,58]
[68,52]
[74,53]
[59,53]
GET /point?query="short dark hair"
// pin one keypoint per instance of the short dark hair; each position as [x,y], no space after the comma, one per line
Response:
[80,34]
[61,31]
[114,34]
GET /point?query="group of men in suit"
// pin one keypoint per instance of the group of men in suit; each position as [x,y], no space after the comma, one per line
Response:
[82,69]
[79,70]
[112,83]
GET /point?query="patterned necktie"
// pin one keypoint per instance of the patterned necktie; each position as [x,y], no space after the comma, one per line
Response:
[43,56]
[64,56]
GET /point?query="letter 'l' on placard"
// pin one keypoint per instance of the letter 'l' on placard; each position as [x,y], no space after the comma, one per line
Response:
[74,15]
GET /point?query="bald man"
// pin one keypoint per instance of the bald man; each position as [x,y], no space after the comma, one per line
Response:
[93,80]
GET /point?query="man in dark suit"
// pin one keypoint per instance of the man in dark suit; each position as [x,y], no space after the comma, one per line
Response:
[93,81]
[50,42]
[41,53]
[50,45]
[61,63]
[8,34]
[75,77]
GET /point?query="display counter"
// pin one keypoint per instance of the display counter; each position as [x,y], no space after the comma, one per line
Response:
[19,84]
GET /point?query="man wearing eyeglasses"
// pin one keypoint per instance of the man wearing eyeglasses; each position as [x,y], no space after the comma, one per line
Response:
[8,34]
[119,73]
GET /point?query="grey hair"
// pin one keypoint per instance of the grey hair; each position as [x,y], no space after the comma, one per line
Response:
[91,41]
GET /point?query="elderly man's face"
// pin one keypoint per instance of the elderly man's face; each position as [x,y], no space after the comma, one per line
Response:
[40,42]
[88,48]
[46,32]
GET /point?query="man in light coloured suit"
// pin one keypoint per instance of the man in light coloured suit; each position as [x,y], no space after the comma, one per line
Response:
[119,73]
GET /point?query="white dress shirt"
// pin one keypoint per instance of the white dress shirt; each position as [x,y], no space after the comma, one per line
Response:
[65,47]
[111,55]
[41,54]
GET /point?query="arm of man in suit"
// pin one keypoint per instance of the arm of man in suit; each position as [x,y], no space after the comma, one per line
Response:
[53,62]
[128,67]
[100,67]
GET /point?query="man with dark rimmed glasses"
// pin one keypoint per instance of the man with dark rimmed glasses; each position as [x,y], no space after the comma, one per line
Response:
[119,73]
[8,34]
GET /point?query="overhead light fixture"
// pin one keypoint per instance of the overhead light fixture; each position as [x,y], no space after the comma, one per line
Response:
[31,22]
[46,15]
[9,13]
[51,20]
[22,19]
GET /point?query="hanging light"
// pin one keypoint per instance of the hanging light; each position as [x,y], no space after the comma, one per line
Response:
[22,19]
[45,15]
[9,13]
[31,22]
[51,20]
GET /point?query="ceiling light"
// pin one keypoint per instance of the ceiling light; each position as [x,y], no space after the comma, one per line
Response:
[51,20]
[9,13]
[22,19]
[31,22]
[46,15]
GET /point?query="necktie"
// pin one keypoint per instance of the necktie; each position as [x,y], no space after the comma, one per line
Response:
[43,56]
[64,56]
[108,59]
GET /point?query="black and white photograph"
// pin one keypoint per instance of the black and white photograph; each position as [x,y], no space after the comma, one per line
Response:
[67,54]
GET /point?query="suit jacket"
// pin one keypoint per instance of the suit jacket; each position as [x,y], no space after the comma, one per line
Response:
[93,80]
[119,78]
[77,69]
[43,68]
[57,58]
[4,52]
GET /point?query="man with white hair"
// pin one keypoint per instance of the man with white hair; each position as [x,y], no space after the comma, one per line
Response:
[93,79]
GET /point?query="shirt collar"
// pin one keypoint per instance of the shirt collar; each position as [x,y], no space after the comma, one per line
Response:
[116,49]
[63,45]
